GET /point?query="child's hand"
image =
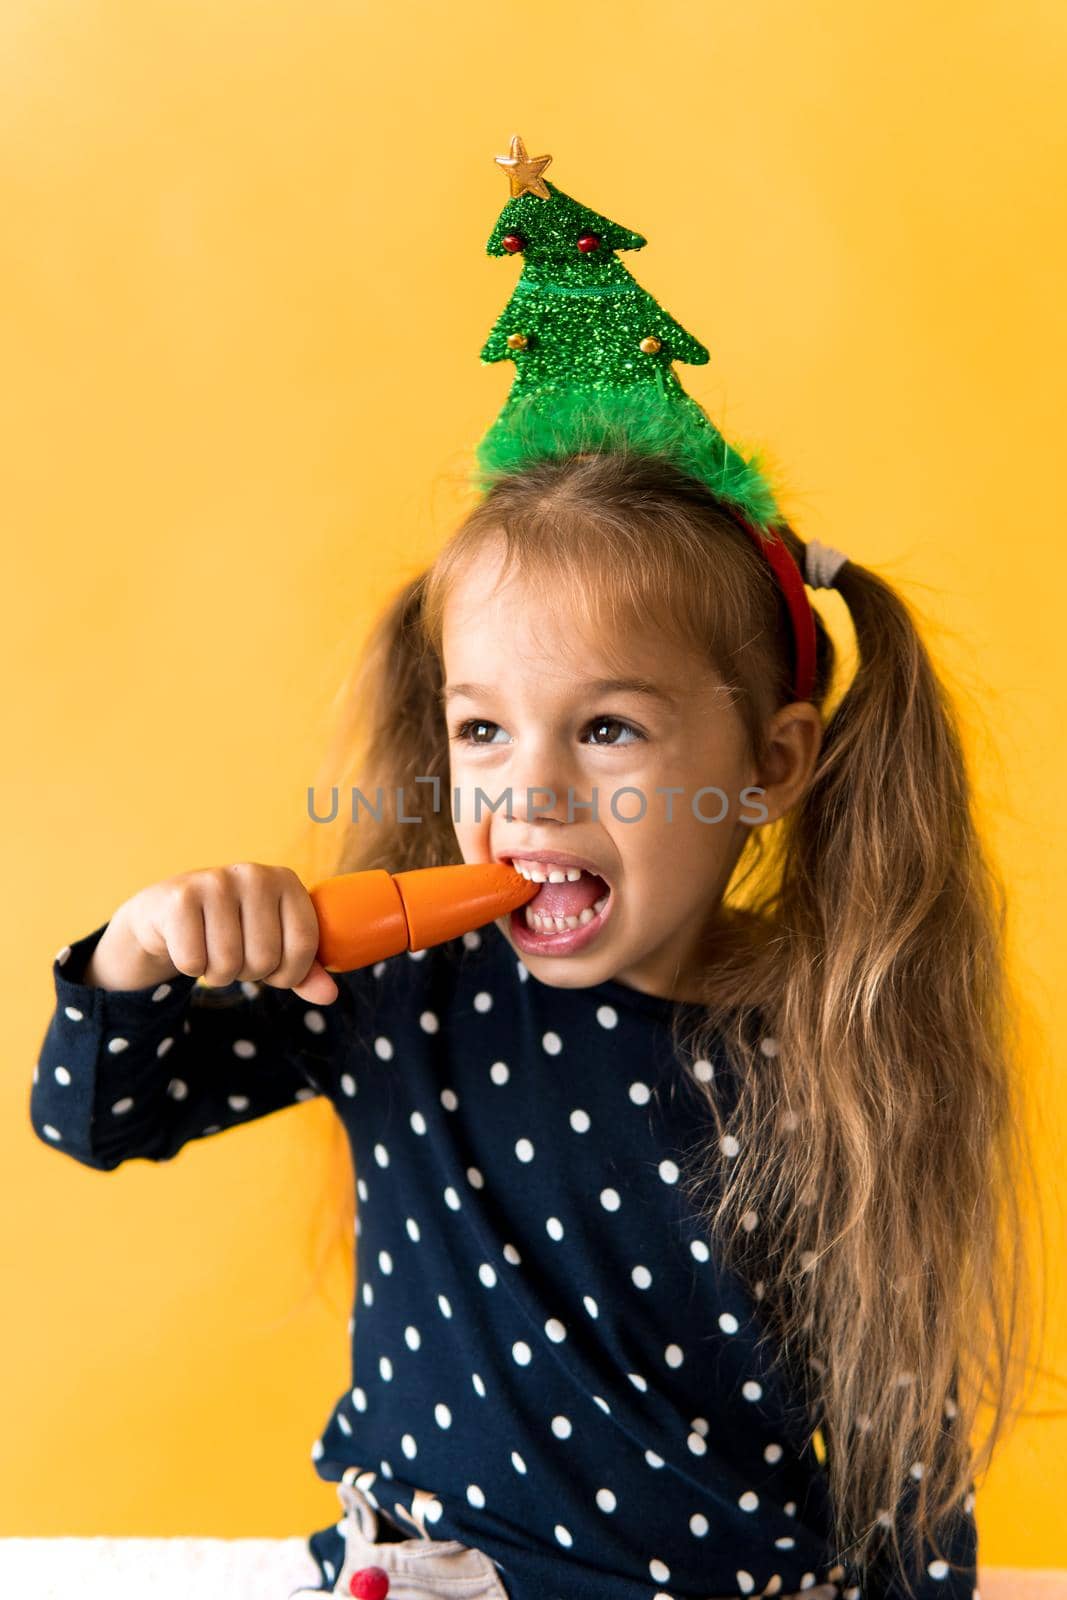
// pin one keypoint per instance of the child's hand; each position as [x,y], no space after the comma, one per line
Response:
[247,921]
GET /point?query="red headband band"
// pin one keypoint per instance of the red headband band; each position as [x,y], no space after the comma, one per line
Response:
[801,615]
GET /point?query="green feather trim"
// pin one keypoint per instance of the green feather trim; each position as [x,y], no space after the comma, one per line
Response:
[636,418]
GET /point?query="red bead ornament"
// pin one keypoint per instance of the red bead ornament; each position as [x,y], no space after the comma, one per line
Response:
[513,243]
[589,241]
[369,1583]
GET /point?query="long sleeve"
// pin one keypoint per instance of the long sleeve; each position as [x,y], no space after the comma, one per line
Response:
[949,1573]
[139,1072]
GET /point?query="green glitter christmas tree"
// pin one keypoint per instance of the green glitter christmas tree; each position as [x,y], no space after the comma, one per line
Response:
[593,351]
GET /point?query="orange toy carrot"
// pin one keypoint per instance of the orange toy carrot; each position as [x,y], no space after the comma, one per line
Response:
[366,916]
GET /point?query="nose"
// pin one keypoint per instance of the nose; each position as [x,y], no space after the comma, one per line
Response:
[540,778]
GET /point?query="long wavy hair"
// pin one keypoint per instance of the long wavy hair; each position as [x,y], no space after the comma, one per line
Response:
[873,1182]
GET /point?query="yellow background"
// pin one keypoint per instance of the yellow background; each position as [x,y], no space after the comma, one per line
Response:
[243,295]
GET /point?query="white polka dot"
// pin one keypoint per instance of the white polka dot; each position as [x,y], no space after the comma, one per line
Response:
[772,1453]
[348,1084]
[177,1088]
[475,1495]
[449,1099]
[642,1278]
[916,1469]
[409,1447]
[938,1569]
[359,1398]
[452,1200]
[554,1228]
[590,1305]
[745,1581]
[638,1382]
[701,1426]
[697,1444]
[749,1220]
[479,1386]
[561,1427]
[63,955]
[161,991]
[237,1102]
[563,1535]
[431,1510]
[445,1304]
[385,1261]
[655,1461]
[361,1188]
[304,1094]
[122,1106]
[786,1542]
[415,955]
[487,1275]
[640,1094]
[164,1045]
[698,1524]
[343,1423]
[729,1145]
[606,1500]
[703,1070]
[418,1122]
[521,1353]
[752,1390]
[483,1001]
[383,1048]
[117,1044]
[607,1016]
[748,1501]
[668,1171]
[499,1072]
[472,939]
[555,1330]
[552,1043]
[673,1355]
[244,1048]
[517,1462]
[728,1322]
[62,1075]
[50,1132]
[442,1415]
[580,1121]
[523,970]
[381,1155]
[609,1199]
[429,1022]
[512,1255]
[412,1337]
[314,1022]
[769,1046]
[378,968]
[413,1230]
[699,1250]
[659,1570]
[524,1150]
[385,1367]
[73,1013]
[598,1400]
[475,1179]
[317,1450]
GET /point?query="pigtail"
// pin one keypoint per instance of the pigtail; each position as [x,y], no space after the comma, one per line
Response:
[881,1117]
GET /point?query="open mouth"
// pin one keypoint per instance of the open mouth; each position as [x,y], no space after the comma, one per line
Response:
[568,910]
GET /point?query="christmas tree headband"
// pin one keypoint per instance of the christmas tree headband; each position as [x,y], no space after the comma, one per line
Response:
[593,355]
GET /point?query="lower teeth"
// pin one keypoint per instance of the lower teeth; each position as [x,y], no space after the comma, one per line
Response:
[538,924]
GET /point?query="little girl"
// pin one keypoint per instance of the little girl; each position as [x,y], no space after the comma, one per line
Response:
[682,1191]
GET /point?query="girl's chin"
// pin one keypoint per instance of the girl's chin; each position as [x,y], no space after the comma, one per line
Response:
[562,942]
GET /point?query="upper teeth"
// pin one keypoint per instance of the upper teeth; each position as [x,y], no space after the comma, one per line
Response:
[547,874]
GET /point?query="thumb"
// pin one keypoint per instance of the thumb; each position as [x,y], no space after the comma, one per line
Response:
[317,986]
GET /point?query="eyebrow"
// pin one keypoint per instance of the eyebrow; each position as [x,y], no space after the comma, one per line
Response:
[643,686]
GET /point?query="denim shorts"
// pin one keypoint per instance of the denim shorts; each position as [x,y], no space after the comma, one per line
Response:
[421,1567]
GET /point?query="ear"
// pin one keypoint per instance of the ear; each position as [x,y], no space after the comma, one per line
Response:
[794,737]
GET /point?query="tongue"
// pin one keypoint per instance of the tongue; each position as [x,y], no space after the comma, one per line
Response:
[567,899]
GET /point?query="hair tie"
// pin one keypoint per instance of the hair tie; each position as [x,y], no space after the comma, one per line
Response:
[822,564]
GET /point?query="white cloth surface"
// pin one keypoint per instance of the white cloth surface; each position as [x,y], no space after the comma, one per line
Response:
[103,1568]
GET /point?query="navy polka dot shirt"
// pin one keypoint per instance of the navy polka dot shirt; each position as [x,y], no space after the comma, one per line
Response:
[548,1364]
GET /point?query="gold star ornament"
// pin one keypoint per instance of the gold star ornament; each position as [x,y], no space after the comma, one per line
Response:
[524,172]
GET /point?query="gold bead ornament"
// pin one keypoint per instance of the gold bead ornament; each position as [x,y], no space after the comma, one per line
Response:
[516,341]
[651,345]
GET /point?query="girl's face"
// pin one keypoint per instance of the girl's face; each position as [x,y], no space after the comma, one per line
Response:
[529,725]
